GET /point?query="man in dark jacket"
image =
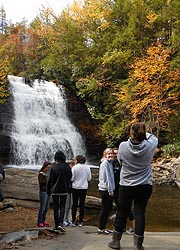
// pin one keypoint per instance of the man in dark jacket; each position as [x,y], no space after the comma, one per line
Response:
[57,186]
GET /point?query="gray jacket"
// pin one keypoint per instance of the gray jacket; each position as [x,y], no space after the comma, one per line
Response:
[136,161]
[106,176]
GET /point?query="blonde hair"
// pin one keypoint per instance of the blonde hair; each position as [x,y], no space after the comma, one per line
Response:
[71,163]
[105,152]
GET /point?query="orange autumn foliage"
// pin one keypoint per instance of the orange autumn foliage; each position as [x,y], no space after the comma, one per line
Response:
[152,96]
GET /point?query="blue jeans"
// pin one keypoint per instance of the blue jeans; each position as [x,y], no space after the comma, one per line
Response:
[44,206]
[68,207]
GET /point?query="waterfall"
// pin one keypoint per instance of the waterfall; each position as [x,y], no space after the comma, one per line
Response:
[41,124]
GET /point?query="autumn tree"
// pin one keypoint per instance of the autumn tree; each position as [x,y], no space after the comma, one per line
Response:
[39,36]
[13,48]
[153,94]
[3,80]
[173,16]
[3,21]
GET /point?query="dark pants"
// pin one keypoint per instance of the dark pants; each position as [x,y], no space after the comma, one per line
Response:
[140,195]
[106,207]
[1,195]
[59,202]
[79,196]
[116,200]
[116,196]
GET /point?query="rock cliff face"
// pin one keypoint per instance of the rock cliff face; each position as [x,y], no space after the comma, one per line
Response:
[88,128]
[166,171]
[6,118]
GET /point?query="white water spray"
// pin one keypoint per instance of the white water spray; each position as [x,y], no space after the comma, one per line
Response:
[41,124]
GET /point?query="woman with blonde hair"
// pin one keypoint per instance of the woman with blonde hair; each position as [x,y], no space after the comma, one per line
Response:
[106,188]
[135,182]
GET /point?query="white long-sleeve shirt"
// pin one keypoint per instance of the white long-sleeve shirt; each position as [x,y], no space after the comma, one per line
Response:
[81,175]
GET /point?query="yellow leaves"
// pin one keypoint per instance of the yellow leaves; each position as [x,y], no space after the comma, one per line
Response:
[151,18]
[123,95]
[151,67]
[169,1]
[86,12]
[152,97]
[3,75]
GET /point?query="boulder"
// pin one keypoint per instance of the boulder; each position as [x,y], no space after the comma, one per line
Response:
[177,177]
[22,185]
[165,171]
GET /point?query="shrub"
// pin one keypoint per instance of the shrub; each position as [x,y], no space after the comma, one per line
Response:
[172,150]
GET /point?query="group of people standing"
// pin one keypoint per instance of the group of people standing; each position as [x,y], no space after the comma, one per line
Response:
[125,177]
[67,184]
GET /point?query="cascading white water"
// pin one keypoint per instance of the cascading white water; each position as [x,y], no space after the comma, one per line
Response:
[41,124]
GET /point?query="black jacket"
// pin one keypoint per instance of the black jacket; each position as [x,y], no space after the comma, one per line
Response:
[59,178]
[42,178]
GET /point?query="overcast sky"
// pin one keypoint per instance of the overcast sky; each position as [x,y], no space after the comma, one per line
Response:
[16,10]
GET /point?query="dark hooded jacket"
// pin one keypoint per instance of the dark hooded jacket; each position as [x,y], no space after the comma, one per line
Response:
[59,177]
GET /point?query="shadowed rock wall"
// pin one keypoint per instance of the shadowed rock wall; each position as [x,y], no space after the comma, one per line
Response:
[6,118]
[89,128]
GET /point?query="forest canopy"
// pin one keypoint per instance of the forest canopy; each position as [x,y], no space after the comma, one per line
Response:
[120,57]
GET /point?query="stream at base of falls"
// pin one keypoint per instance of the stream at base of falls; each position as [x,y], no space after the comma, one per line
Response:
[162,212]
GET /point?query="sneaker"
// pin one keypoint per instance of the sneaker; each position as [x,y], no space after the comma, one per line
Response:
[81,224]
[104,231]
[66,223]
[110,231]
[46,224]
[56,230]
[40,225]
[72,225]
[61,229]
[130,230]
